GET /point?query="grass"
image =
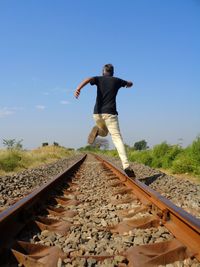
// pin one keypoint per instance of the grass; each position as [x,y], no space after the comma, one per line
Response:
[13,160]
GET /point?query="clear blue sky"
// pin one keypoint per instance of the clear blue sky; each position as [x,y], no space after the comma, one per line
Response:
[47,47]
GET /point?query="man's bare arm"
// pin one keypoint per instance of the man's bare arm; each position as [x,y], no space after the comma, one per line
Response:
[129,84]
[81,85]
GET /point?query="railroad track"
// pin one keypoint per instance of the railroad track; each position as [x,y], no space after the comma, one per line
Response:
[94,215]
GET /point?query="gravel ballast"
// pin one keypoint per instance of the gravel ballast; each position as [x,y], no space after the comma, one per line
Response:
[182,192]
[15,187]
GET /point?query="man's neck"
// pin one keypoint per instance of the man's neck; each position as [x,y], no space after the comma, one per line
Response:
[107,74]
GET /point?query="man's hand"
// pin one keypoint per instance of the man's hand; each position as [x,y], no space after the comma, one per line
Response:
[77,93]
[81,85]
[129,84]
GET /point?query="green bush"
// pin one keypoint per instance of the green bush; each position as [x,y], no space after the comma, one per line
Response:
[158,153]
[143,157]
[183,164]
[189,161]
[133,155]
[170,156]
[164,154]
[160,150]
[146,158]
[10,161]
[195,150]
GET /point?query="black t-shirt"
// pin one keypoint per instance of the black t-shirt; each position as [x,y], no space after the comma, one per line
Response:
[107,89]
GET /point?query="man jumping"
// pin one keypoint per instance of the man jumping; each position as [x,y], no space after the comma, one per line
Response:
[105,112]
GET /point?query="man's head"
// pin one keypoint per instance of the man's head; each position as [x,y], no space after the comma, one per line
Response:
[108,70]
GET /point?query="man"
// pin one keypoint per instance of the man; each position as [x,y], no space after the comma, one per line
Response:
[105,112]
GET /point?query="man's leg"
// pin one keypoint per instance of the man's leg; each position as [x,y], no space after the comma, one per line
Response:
[113,128]
[100,123]
[100,129]
[93,134]
[112,124]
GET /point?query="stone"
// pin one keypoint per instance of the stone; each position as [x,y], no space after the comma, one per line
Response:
[59,263]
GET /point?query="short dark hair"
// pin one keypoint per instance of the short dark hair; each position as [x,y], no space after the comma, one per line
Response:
[108,69]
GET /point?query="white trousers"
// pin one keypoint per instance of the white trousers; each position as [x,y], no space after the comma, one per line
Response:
[109,123]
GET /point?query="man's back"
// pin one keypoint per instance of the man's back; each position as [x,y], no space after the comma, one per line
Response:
[107,89]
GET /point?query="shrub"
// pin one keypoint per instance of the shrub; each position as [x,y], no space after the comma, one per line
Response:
[133,156]
[144,157]
[189,160]
[163,155]
[158,152]
[10,161]
[183,164]
[195,150]
[170,156]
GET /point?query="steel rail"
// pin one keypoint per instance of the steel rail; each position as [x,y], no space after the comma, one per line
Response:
[13,219]
[184,226]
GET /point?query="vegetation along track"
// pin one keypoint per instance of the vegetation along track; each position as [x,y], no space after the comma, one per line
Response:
[94,215]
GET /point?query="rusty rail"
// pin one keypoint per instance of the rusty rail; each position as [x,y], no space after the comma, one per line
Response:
[184,226]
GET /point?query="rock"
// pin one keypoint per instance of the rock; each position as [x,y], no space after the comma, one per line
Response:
[59,263]
[138,240]
[91,262]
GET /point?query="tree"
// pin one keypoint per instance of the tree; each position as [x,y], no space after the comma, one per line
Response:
[45,144]
[13,144]
[18,144]
[9,143]
[55,144]
[140,145]
[101,143]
